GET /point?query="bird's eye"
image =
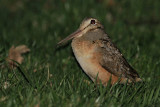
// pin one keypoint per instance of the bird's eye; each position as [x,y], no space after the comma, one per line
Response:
[93,22]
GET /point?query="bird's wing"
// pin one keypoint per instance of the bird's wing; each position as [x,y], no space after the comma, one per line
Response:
[113,61]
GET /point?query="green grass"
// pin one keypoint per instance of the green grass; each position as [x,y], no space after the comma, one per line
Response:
[133,25]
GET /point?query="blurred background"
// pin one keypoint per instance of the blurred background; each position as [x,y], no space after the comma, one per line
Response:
[133,25]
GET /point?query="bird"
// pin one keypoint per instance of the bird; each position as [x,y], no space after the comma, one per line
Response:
[98,56]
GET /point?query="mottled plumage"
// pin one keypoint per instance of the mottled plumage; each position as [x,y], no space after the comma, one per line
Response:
[100,59]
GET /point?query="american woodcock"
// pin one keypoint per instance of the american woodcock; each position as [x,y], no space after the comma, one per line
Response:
[100,59]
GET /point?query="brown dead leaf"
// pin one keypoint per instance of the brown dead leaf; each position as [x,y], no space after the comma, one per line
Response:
[15,54]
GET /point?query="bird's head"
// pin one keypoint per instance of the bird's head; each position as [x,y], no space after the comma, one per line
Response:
[86,25]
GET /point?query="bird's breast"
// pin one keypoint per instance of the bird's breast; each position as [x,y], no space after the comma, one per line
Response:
[87,57]
[82,48]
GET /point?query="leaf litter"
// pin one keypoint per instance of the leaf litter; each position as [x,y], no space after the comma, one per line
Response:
[15,55]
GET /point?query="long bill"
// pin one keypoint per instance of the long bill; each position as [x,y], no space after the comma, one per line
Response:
[74,34]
